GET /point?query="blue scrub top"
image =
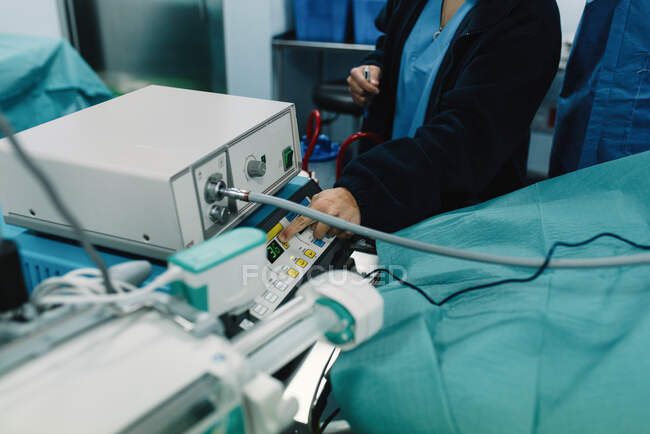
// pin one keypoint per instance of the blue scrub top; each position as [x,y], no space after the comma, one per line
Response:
[604,108]
[421,59]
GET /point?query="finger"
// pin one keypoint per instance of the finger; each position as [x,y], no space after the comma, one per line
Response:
[320,231]
[333,232]
[345,235]
[359,100]
[355,88]
[350,216]
[298,224]
[375,75]
[357,77]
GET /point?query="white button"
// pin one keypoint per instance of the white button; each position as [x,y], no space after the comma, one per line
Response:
[246,324]
[260,310]
[281,285]
[270,296]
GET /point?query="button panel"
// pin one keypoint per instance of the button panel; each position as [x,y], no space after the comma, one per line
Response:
[290,262]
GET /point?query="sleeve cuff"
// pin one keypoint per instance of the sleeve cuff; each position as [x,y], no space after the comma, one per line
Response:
[361,195]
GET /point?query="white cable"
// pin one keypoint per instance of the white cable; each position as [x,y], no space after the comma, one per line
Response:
[172,274]
[614,261]
[82,280]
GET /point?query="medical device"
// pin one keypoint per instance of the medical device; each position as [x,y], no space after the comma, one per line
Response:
[143,361]
[288,265]
[135,169]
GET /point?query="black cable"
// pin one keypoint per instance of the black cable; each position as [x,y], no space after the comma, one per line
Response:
[538,273]
[7,130]
[329,419]
[405,283]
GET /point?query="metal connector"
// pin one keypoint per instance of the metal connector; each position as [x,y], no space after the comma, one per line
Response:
[213,189]
[235,193]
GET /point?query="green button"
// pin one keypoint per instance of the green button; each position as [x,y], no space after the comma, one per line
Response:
[287,158]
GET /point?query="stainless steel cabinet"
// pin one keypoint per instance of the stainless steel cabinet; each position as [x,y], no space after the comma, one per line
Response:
[131,43]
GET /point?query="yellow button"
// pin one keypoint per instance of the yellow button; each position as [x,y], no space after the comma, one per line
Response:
[301,263]
[293,272]
[273,232]
[310,253]
[286,245]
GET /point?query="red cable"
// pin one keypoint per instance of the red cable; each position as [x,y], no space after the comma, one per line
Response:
[347,143]
[312,138]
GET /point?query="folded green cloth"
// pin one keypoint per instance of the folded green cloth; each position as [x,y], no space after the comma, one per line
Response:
[567,353]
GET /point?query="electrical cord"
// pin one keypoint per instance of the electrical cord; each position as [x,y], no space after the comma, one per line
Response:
[313,131]
[403,282]
[353,138]
[329,419]
[615,261]
[74,288]
[80,281]
[48,187]
[534,276]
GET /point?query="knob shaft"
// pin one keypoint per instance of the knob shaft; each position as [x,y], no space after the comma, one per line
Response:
[219,214]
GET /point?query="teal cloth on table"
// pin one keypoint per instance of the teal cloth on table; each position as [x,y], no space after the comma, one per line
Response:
[44,78]
[567,353]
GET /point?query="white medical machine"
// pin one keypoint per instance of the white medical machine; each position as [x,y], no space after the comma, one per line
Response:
[146,361]
[136,170]
[144,174]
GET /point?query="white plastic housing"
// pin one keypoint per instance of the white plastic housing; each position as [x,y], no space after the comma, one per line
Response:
[356,295]
[267,411]
[134,169]
[231,284]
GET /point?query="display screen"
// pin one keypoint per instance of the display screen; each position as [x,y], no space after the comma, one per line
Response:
[273,251]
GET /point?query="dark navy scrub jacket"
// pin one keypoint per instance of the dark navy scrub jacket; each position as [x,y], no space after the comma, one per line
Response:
[473,144]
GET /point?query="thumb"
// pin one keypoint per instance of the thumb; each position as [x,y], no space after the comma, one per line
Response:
[375,75]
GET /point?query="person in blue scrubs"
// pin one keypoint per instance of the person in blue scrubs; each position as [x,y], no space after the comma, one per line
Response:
[604,107]
[452,88]
[422,55]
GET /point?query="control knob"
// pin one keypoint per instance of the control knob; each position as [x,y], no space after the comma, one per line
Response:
[256,168]
[219,214]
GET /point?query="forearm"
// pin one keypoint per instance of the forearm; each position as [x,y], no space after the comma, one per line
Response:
[392,189]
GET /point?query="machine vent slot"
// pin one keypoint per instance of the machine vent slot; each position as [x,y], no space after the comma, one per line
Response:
[35,273]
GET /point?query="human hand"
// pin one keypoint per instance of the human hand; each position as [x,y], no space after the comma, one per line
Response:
[363,91]
[338,202]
